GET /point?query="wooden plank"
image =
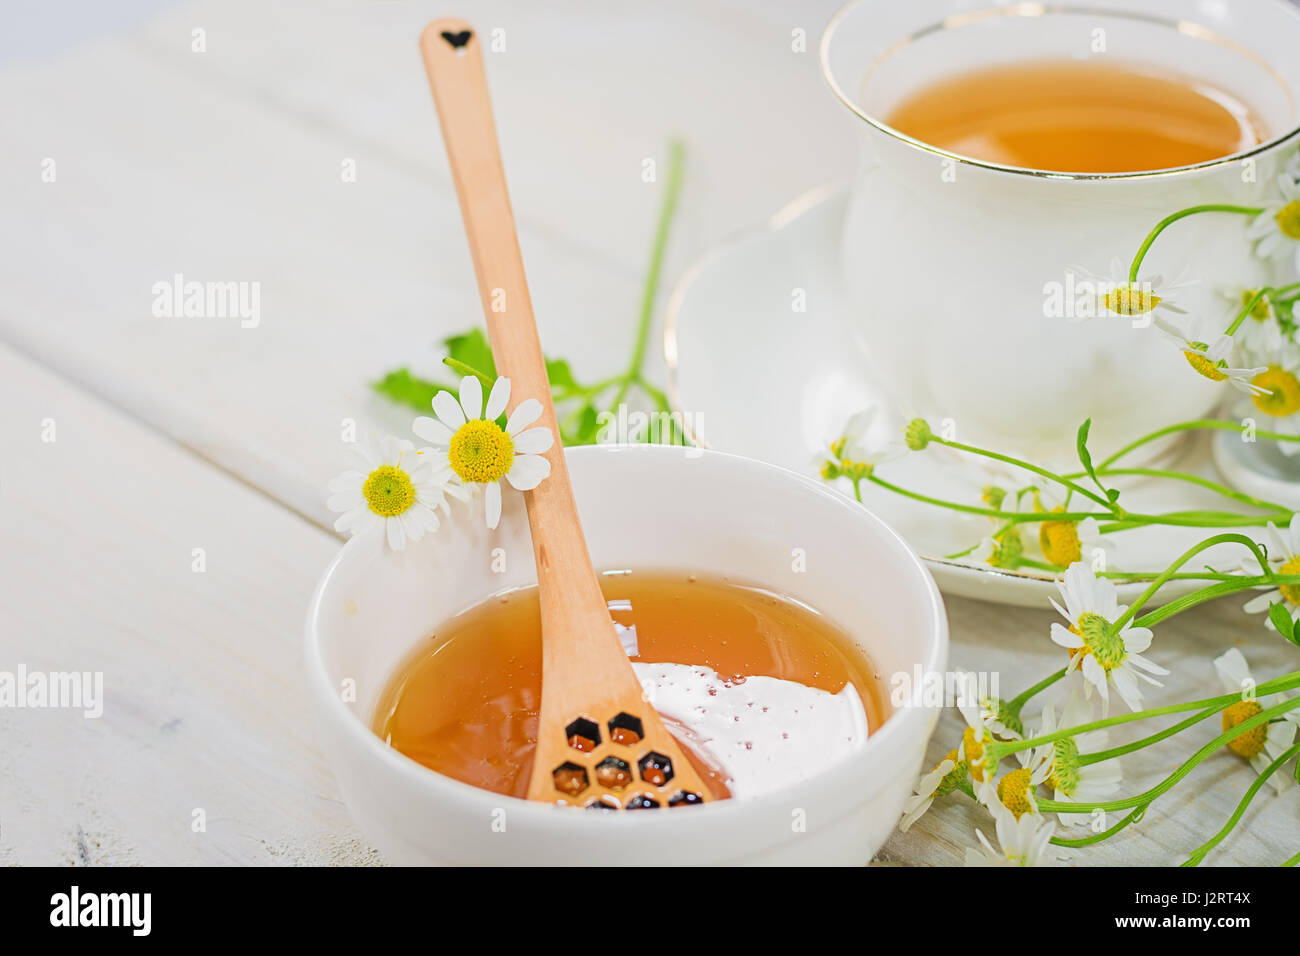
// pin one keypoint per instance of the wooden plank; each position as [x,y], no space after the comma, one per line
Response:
[228,166]
[204,700]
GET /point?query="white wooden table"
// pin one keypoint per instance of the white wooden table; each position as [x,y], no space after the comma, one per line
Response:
[174,434]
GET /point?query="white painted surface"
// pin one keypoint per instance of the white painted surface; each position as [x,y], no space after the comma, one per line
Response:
[175,434]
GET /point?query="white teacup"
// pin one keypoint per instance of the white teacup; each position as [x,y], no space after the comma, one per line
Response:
[952,264]
[647,507]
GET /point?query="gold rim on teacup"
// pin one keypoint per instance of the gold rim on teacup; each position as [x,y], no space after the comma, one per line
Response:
[1025,10]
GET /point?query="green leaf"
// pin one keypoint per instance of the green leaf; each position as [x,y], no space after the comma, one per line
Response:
[406,389]
[561,376]
[580,426]
[1085,459]
[1282,620]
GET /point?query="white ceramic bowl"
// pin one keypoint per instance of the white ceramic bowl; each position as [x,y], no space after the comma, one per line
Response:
[647,508]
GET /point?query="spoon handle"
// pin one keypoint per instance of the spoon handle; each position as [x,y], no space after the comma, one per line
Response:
[574,611]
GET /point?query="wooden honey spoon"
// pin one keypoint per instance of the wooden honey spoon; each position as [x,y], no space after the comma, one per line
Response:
[599,742]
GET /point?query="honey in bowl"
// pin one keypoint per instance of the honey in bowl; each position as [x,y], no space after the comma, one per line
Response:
[466,702]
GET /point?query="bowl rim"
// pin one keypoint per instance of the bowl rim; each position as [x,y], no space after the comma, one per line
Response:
[899,723]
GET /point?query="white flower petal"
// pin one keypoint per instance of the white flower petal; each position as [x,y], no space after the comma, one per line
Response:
[1258,605]
[492,503]
[525,413]
[1136,639]
[448,411]
[528,471]
[396,537]
[533,441]
[1065,637]
[432,431]
[471,396]
[497,400]
[345,501]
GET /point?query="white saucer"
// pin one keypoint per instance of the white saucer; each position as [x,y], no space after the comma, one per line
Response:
[755,377]
[1258,469]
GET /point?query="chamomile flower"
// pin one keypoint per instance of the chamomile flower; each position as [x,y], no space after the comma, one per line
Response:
[1021,842]
[1284,557]
[1116,295]
[1005,545]
[1002,549]
[1265,743]
[478,450]
[1276,393]
[1103,656]
[398,488]
[850,455]
[946,777]
[1277,228]
[974,750]
[1059,761]
[1016,789]
[1211,361]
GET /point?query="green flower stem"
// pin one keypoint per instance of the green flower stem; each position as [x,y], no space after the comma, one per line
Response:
[976,510]
[1246,310]
[1274,686]
[1201,423]
[1178,605]
[1039,565]
[659,397]
[1293,861]
[1199,853]
[1019,701]
[1264,716]
[1193,519]
[1019,463]
[672,189]
[1206,483]
[1118,624]
[1101,755]
[1133,816]
[460,368]
[1169,220]
[1140,576]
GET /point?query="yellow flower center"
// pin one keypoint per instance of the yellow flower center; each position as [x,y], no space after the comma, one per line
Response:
[481,451]
[1288,219]
[388,491]
[1060,542]
[1251,743]
[1065,766]
[1291,591]
[1130,299]
[973,751]
[1281,396]
[1201,362]
[1106,647]
[1015,793]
